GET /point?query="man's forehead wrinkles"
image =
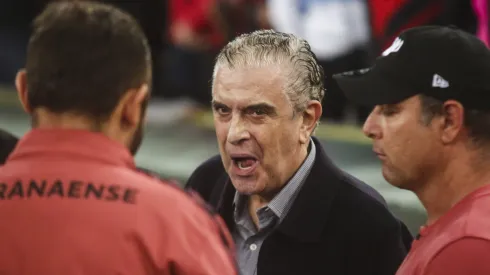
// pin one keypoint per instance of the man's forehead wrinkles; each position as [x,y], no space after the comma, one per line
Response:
[240,89]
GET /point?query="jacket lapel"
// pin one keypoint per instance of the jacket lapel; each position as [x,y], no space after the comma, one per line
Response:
[225,192]
[308,215]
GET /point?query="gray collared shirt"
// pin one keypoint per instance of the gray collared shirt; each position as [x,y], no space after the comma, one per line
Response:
[247,238]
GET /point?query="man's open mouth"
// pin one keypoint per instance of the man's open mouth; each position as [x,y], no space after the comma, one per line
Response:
[244,163]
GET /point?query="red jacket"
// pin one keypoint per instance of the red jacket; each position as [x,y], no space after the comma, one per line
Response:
[72,202]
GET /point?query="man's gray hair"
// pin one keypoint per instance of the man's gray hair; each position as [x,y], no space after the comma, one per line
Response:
[305,78]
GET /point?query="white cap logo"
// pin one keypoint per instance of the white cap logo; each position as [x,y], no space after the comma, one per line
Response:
[439,82]
[397,44]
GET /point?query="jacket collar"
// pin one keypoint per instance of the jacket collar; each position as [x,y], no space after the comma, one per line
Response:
[308,215]
[79,144]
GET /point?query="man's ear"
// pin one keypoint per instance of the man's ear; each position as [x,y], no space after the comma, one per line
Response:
[311,115]
[132,105]
[453,121]
[22,92]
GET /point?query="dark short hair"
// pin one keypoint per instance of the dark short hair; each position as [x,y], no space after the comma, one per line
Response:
[476,121]
[83,56]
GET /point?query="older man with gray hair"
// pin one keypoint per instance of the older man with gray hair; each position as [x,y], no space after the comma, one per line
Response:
[289,208]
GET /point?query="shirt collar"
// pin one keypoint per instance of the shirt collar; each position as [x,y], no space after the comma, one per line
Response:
[81,144]
[283,201]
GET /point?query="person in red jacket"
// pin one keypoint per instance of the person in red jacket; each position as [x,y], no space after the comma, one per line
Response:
[71,198]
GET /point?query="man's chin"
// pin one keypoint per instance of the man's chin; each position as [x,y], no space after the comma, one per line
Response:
[395,180]
[244,185]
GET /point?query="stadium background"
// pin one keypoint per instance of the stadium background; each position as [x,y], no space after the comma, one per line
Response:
[180,133]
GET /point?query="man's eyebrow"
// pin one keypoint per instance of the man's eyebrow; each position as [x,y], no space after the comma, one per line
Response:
[260,106]
[217,104]
[264,107]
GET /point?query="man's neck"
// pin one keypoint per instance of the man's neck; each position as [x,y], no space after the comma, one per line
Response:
[255,203]
[460,178]
[45,119]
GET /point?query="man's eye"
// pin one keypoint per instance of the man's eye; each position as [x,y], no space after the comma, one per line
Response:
[222,110]
[389,110]
[258,112]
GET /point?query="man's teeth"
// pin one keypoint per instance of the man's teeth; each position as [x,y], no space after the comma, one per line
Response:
[240,165]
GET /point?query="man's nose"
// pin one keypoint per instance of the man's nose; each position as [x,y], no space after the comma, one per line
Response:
[371,127]
[238,131]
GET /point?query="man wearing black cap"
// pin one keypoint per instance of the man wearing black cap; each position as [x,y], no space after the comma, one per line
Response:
[431,129]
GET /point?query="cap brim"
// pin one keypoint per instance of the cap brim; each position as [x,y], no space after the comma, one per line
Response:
[371,87]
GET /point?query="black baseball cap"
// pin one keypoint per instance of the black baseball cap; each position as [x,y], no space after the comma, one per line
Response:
[441,62]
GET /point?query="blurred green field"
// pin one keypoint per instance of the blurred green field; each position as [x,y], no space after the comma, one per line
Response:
[176,148]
